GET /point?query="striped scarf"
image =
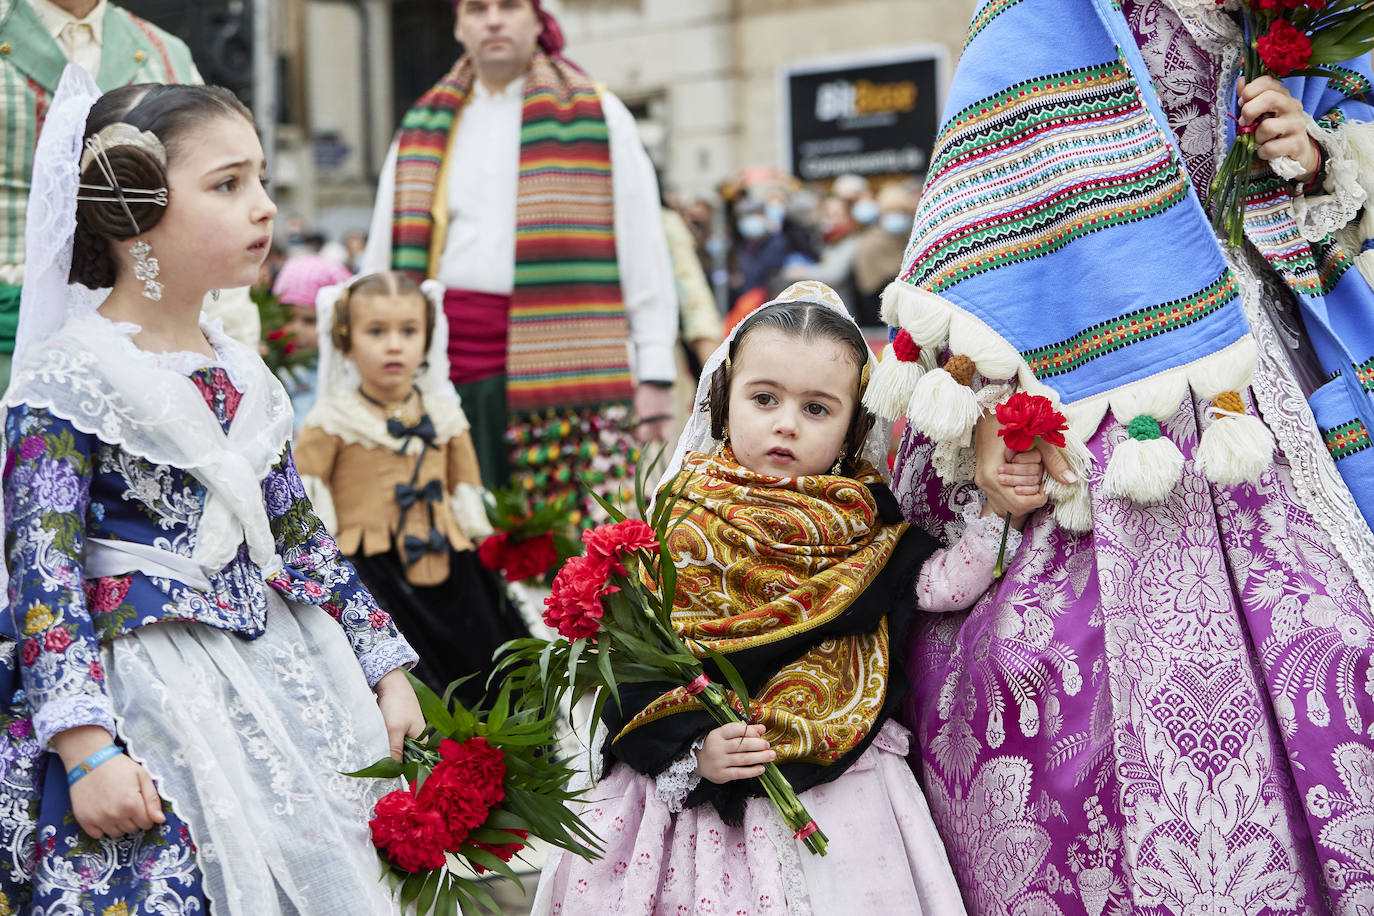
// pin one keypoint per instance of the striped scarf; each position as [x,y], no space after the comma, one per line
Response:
[568,331]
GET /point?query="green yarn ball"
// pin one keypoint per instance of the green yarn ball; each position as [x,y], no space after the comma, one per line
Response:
[1144,428]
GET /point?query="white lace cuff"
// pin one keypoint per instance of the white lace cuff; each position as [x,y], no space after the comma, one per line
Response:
[986,531]
[60,714]
[470,511]
[674,784]
[1319,215]
[385,657]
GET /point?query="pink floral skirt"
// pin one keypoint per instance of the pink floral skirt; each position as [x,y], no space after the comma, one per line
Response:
[884,857]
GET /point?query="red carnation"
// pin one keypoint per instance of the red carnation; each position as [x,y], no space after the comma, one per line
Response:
[518,559]
[411,836]
[505,851]
[611,542]
[574,607]
[481,762]
[457,799]
[1025,416]
[1284,49]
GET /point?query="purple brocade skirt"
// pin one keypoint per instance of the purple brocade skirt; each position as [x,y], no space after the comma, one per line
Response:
[1173,714]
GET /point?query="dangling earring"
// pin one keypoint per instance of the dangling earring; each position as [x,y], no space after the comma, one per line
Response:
[724,442]
[837,468]
[214,295]
[146,269]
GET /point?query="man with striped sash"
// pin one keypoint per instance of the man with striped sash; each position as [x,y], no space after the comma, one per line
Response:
[37,39]
[522,186]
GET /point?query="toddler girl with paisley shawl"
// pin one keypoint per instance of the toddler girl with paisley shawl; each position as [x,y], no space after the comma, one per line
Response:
[794,562]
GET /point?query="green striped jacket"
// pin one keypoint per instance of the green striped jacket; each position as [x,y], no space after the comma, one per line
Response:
[132,51]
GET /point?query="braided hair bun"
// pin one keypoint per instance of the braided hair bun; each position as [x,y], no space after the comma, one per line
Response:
[167,112]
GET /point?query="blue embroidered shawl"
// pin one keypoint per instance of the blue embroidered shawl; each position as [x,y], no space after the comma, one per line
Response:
[1058,215]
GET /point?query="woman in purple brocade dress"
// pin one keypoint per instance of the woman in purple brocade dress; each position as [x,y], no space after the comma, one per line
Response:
[1173,713]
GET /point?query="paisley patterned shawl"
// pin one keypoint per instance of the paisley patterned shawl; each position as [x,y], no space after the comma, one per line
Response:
[794,580]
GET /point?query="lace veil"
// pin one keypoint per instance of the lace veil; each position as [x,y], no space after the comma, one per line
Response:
[90,373]
[696,437]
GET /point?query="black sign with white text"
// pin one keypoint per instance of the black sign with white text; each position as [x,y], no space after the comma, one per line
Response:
[865,118]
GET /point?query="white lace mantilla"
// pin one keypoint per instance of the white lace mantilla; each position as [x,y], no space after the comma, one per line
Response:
[90,374]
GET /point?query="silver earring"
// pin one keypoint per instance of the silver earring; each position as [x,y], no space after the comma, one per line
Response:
[146,269]
[214,295]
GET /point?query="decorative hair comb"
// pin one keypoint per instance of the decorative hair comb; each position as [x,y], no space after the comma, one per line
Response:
[97,151]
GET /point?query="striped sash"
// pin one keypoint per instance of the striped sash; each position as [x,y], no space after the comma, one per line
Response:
[567,344]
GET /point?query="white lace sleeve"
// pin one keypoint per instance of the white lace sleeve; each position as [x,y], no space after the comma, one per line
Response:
[470,511]
[674,784]
[1319,215]
[954,579]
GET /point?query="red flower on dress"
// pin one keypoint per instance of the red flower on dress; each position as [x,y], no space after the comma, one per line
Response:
[611,542]
[31,651]
[379,619]
[1025,416]
[57,640]
[518,559]
[107,593]
[411,835]
[574,607]
[97,670]
[1283,48]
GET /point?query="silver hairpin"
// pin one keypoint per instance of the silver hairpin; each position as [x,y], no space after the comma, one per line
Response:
[155,196]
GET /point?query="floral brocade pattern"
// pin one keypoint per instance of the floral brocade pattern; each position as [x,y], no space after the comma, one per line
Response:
[62,488]
[1171,715]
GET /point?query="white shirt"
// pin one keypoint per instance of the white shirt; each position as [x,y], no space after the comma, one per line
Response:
[479,251]
[79,39]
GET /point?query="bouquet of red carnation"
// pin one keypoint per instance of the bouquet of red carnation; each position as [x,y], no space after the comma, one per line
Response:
[1024,418]
[528,542]
[481,782]
[1284,38]
[612,607]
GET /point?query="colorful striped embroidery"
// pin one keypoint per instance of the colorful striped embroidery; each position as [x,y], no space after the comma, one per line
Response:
[1365,373]
[984,16]
[1128,329]
[1346,439]
[1025,172]
[1349,83]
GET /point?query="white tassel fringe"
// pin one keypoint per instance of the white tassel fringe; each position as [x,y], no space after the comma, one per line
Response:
[1145,471]
[893,382]
[1235,449]
[942,408]
[924,315]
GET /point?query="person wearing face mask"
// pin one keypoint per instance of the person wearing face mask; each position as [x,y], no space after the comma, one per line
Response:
[838,243]
[761,251]
[865,210]
[879,249]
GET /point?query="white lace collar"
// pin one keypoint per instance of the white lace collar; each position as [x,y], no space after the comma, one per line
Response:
[182,362]
[345,415]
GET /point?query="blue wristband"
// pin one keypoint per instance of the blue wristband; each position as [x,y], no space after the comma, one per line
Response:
[109,752]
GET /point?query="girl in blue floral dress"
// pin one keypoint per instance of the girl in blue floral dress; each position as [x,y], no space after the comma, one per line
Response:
[185,660]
